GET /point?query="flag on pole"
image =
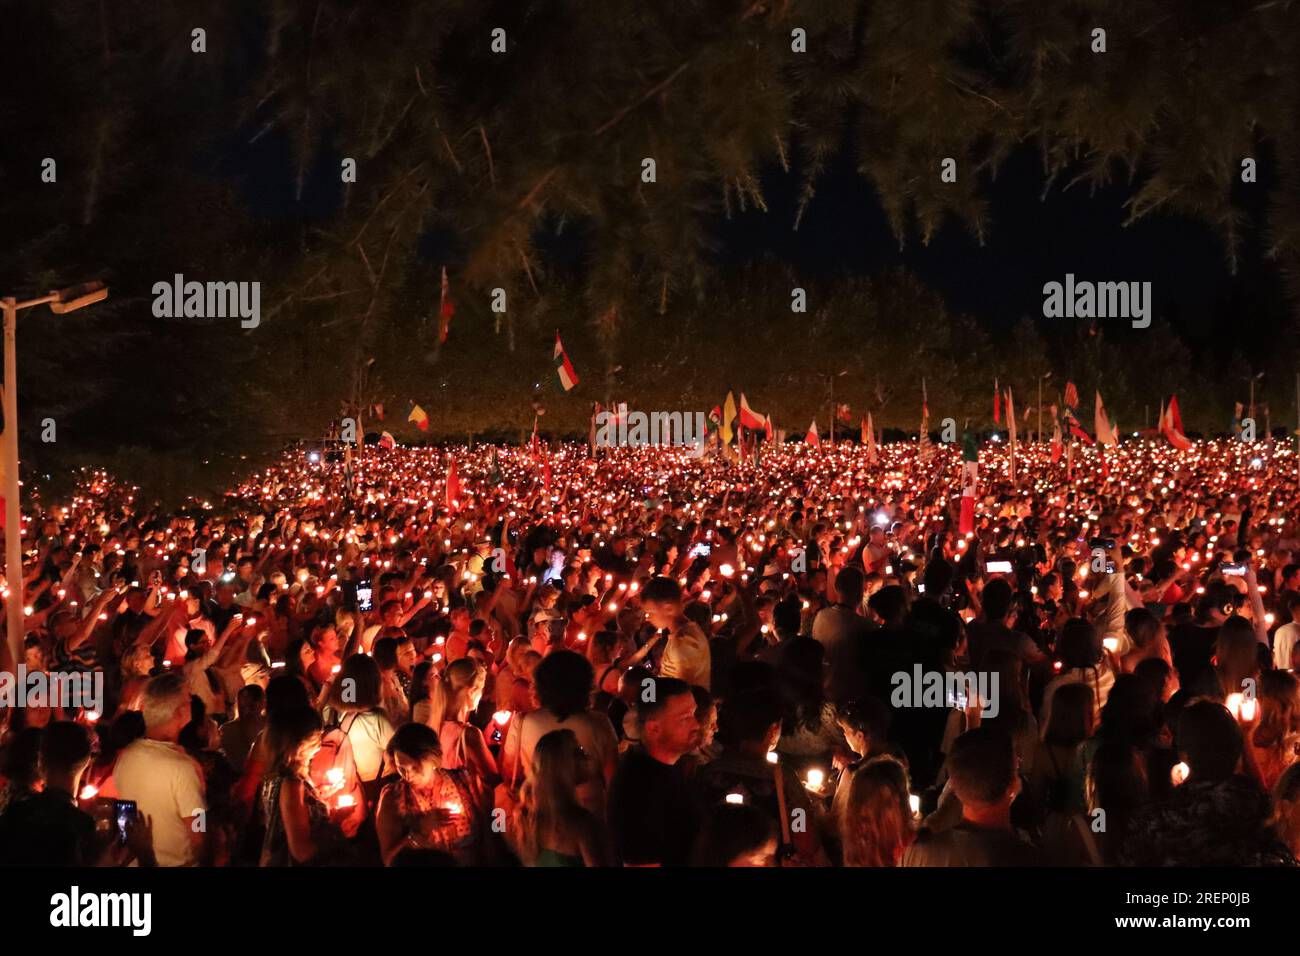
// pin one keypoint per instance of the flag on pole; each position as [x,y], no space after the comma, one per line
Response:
[446,309]
[997,404]
[748,417]
[1057,444]
[923,449]
[453,486]
[1071,395]
[563,367]
[869,438]
[386,440]
[768,433]
[728,416]
[377,410]
[812,438]
[420,418]
[1171,426]
[970,468]
[1101,424]
[1011,428]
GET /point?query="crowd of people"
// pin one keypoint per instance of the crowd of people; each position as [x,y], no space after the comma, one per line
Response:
[554,657]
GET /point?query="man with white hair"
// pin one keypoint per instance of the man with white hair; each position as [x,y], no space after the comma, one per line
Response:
[164,781]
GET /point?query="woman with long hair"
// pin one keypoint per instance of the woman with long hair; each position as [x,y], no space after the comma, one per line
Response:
[876,820]
[553,828]
[1056,780]
[298,829]
[355,696]
[453,696]
[429,807]
[1083,661]
[1286,808]
[1274,739]
[1236,655]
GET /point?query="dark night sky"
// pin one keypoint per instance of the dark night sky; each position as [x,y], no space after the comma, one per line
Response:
[844,231]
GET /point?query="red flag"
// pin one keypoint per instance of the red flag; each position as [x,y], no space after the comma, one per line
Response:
[446,308]
[1071,395]
[1171,426]
[997,404]
[453,486]
[812,438]
[767,428]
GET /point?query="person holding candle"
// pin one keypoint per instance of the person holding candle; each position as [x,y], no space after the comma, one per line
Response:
[875,819]
[296,821]
[429,807]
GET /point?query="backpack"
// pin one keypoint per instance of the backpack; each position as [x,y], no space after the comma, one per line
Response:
[335,754]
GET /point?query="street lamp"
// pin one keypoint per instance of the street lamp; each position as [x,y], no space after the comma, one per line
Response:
[61,302]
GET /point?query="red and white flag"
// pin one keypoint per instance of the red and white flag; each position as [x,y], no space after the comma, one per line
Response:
[1171,426]
[812,438]
[748,417]
[997,404]
[768,433]
[1102,426]
[563,367]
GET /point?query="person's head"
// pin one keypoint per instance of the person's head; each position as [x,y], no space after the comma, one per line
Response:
[997,601]
[550,799]
[416,754]
[984,771]
[865,724]
[736,835]
[1209,741]
[564,680]
[250,702]
[456,691]
[706,715]
[407,657]
[293,737]
[1072,716]
[1236,653]
[889,605]
[850,585]
[1142,627]
[1080,645]
[1286,808]
[1157,672]
[661,599]
[285,692]
[876,819]
[65,754]
[666,714]
[358,688]
[326,640]
[299,656]
[938,577]
[385,654]
[750,720]
[166,706]
[1279,711]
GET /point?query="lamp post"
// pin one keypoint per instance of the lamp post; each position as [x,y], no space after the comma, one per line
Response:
[60,302]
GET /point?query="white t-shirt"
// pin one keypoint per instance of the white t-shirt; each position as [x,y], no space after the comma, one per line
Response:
[167,786]
[369,734]
[1284,640]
